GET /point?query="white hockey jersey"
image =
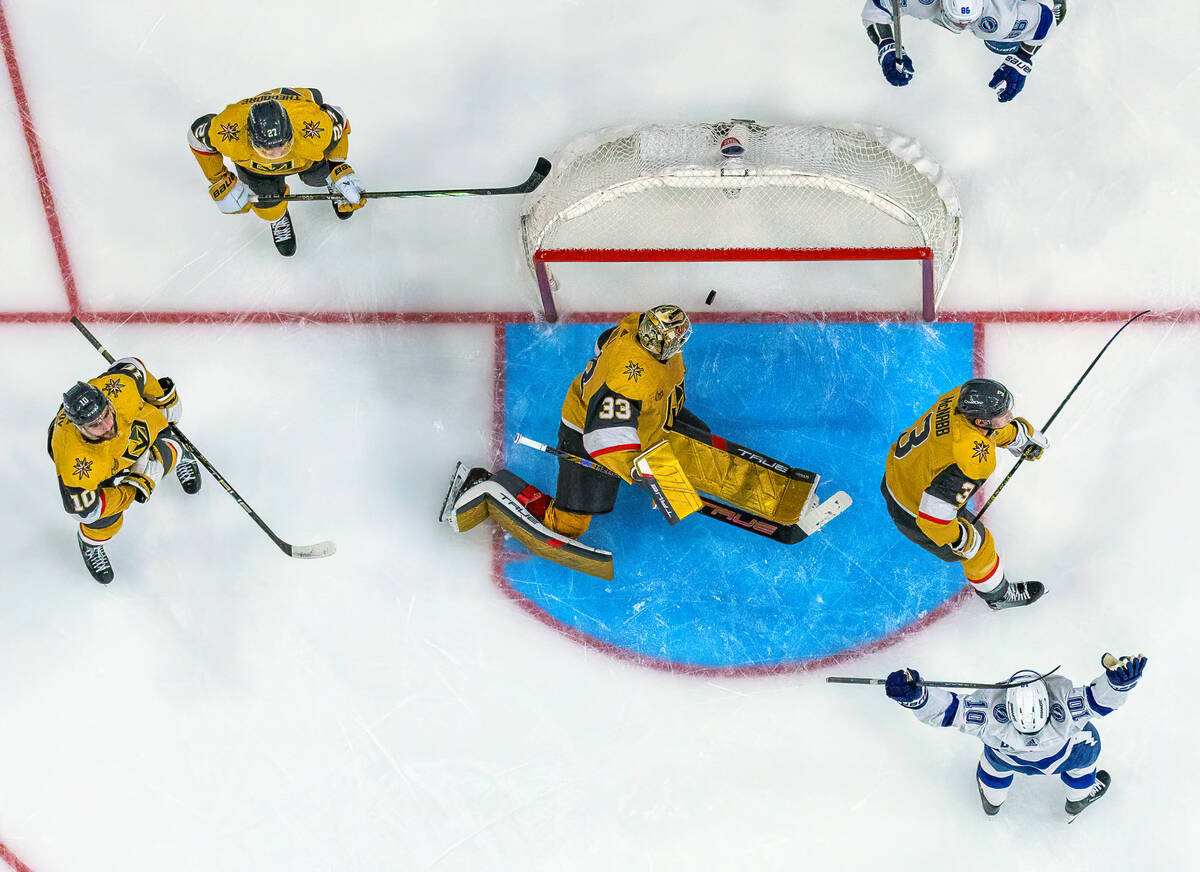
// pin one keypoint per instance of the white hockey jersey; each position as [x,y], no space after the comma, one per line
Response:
[1002,21]
[983,714]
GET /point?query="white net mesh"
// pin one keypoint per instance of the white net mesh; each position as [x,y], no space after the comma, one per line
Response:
[795,186]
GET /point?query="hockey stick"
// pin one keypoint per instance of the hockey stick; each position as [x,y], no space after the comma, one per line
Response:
[540,171]
[321,549]
[718,511]
[969,685]
[896,35]
[1070,394]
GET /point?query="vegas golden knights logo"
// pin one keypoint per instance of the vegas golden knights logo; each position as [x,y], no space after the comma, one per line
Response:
[139,440]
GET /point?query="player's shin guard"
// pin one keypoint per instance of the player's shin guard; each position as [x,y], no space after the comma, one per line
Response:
[512,502]
[993,786]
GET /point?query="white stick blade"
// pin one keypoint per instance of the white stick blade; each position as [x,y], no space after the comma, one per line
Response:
[312,552]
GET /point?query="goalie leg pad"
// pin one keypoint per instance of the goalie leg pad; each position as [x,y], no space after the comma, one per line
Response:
[570,524]
[742,477]
[662,474]
[505,499]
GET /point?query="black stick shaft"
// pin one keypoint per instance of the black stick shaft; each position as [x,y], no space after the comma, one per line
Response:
[966,685]
[710,508]
[1070,394]
[321,549]
[540,171]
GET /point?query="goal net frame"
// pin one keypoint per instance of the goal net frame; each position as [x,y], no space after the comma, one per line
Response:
[886,183]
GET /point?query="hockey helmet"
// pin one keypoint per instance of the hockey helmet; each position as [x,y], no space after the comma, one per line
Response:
[269,129]
[958,15]
[663,330]
[84,404]
[987,401]
[1028,705]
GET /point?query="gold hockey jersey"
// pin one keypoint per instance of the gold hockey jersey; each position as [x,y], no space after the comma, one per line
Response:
[935,466]
[320,132]
[84,468]
[624,398]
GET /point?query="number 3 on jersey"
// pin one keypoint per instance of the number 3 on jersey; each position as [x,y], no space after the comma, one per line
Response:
[615,409]
[914,437]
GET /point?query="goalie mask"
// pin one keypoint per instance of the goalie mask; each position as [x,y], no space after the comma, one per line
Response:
[663,330]
[985,403]
[1028,706]
[958,15]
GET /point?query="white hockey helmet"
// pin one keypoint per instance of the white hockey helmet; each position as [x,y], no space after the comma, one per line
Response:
[1028,705]
[959,14]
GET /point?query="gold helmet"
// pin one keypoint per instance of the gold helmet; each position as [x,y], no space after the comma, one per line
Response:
[663,330]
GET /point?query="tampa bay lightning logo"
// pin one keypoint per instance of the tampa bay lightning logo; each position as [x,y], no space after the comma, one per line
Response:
[926,2]
[1057,712]
[988,24]
[1000,714]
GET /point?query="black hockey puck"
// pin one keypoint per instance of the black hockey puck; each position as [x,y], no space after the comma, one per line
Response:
[712,295]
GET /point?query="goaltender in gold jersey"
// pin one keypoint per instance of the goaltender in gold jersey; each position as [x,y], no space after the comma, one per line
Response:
[111,444]
[268,137]
[935,466]
[625,412]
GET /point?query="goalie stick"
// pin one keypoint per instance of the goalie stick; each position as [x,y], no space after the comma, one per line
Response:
[969,685]
[540,171]
[718,511]
[320,549]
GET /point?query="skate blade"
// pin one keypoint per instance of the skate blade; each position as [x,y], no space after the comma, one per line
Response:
[446,515]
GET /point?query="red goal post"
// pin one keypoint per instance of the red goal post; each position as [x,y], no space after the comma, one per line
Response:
[673,194]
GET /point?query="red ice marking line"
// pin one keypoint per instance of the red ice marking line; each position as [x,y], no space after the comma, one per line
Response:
[12,859]
[1187,316]
[39,166]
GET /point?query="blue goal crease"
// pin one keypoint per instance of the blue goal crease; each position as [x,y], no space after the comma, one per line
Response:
[829,397]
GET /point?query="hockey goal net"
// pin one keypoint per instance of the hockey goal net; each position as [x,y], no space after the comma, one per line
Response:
[744,192]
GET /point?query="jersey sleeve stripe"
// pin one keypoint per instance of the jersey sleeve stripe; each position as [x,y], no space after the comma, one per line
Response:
[609,439]
[1099,709]
[951,711]
[936,509]
[1044,22]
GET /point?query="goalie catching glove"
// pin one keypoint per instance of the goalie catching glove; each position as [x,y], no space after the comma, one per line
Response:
[230,193]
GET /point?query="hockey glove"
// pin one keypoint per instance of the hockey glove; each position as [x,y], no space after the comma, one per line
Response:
[1008,81]
[231,194]
[346,188]
[904,686]
[896,75]
[969,540]
[1123,674]
[1029,442]
[145,473]
[169,401]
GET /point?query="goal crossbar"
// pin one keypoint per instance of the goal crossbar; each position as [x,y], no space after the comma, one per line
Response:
[541,257]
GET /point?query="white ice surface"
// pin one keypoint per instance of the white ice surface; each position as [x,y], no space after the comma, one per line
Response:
[222,707]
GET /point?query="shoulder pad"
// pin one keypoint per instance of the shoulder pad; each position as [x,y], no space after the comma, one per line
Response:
[973,452]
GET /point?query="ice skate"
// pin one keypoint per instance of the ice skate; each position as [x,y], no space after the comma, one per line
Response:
[463,479]
[1011,594]
[1103,779]
[988,809]
[187,470]
[96,561]
[284,235]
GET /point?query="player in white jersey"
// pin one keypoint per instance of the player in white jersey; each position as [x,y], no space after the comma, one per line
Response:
[1015,28]
[1039,727]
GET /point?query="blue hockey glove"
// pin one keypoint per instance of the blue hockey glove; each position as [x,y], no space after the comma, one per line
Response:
[1123,674]
[887,61]
[1008,81]
[904,686]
